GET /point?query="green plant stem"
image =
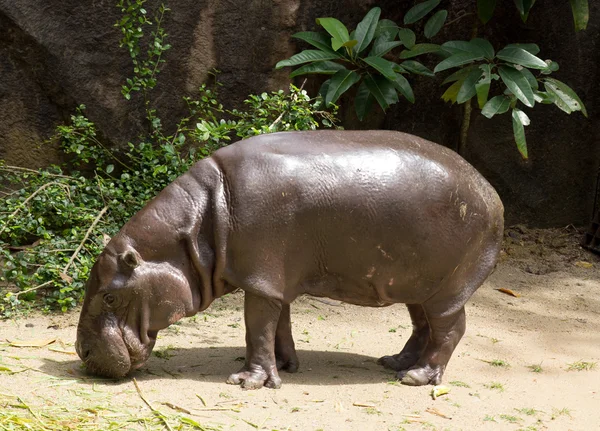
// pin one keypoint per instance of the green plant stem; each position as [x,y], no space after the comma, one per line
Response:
[464,129]
[162,14]
[458,18]
[466,123]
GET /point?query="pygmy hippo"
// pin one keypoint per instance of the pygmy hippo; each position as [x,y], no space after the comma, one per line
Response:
[370,218]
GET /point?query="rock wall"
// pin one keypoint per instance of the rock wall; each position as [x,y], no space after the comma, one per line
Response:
[57,54]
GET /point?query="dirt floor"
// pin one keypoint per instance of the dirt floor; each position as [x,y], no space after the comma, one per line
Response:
[530,361]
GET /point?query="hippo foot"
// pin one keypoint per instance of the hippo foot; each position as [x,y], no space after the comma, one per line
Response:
[255,378]
[288,363]
[398,362]
[420,376]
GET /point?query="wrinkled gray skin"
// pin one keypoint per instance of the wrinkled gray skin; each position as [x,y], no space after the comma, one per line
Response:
[369,218]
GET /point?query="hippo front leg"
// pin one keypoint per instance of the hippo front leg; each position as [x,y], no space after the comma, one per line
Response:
[261,316]
[285,350]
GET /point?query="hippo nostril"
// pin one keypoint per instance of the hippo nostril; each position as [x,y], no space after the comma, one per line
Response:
[85,354]
[83,350]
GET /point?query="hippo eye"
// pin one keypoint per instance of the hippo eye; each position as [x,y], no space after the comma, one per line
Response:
[109,299]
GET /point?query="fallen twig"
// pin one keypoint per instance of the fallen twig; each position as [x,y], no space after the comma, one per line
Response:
[437,413]
[31,411]
[8,168]
[33,288]
[177,408]
[157,413]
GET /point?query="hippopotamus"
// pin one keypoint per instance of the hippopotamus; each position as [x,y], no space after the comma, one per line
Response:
[370,218]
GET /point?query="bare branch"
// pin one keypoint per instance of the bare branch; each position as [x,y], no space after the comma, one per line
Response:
[87,234]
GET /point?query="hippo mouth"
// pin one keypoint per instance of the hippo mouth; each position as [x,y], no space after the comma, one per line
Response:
[115,352]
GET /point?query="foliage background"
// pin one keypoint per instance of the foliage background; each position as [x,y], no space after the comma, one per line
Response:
[66,53]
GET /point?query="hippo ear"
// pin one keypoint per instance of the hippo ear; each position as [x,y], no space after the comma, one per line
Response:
[131,258]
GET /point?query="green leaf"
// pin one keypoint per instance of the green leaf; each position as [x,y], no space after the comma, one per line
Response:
[382,90]
[451,92]
[552,66]
[381,48]
[307,56]
[386,29]
[419,49]
[460,47]
[337,30]
[459,74]
[484,46]
[407,37]
[110,168]
[524,6]
[324,88]
[485,9]
[517,84]
[520,120]
[457,60]
[467,89]
[531,48]
[383,66]
[403,86]
[339,84]
[363,101]
[477,46]
[544,97]
[350,44]
[523,118]
[417,68]
[419,11]
[365,31]
[319,40]
[520,56]
[400,69]
[566,98]
[530,78]
[435,23]
[581,13]
[483,86]
[322,67]
[496,105]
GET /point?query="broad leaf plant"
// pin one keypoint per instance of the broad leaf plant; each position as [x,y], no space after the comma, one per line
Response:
[506,80]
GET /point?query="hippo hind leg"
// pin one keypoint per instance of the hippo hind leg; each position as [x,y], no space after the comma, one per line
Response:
[446,332]
[416,344]
[285,350]
[445,314]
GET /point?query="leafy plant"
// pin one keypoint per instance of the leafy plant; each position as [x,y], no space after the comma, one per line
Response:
[145,67]
[357,57]
[580,9]
[479,66]
[55,221]
[507,80]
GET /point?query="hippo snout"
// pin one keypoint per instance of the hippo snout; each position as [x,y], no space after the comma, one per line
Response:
[103,355]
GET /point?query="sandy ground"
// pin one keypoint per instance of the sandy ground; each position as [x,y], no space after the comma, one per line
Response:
[511,370]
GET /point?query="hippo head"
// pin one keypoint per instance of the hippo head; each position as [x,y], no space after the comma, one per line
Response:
[128,300]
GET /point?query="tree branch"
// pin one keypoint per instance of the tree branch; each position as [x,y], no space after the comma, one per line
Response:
[87,234]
